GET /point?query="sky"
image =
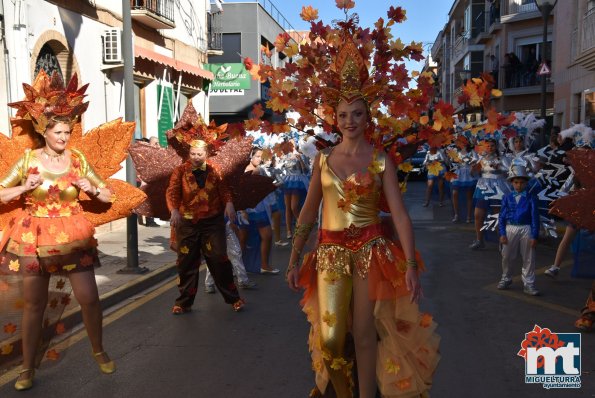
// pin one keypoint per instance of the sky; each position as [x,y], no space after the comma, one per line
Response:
[425,18]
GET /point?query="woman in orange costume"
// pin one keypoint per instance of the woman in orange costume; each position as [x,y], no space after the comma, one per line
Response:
[50,235]
[358,281]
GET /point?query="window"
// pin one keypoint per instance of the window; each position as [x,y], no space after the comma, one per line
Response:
[232,48]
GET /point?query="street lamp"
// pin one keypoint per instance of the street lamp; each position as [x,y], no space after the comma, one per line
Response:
[546,7]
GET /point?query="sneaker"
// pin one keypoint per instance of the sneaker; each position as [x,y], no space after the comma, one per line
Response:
[455,219]
[247,284]
[281,243]
[477,244]
[552,271]
[504,284]
[530,290]
[210,289]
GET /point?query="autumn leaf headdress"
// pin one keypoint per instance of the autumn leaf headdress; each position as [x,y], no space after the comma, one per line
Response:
[345,61]
[48,99]
[192,131]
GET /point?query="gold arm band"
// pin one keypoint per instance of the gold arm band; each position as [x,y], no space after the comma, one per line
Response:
[411,263]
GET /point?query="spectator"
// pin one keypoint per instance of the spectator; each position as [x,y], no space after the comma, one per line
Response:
[517,68]
[530,66]
[494,11]
[495,69]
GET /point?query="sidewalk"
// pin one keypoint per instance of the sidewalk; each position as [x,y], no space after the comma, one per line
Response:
[115,285]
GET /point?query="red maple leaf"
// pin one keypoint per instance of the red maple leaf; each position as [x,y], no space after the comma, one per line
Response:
[396,14]
[65,300]
[60,284]
[86,260]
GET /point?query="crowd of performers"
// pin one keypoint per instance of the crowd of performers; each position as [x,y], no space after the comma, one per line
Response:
[485,171]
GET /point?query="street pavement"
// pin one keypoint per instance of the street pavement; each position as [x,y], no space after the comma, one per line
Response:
[262,352]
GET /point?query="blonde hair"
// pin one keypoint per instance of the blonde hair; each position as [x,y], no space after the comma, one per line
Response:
[198,144]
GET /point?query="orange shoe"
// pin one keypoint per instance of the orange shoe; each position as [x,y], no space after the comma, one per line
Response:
[238,305]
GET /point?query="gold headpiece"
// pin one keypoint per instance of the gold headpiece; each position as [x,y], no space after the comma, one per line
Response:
[48,99]
[198,144]
[353,80]
[192,131]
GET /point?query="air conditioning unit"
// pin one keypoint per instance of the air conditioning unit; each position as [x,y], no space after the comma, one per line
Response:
[112,46]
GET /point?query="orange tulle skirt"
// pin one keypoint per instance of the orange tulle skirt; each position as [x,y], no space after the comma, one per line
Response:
[48,245]
[408,345]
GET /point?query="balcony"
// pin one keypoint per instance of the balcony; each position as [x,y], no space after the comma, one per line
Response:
[156,14]
[215,33]
[586,55]
[517,10]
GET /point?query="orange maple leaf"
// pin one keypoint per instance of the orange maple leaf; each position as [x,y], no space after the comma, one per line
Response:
[10,328]
[345,4]
[309,14]
[277,104]
[60,328]
[52,355]
[257,111]
[252,124]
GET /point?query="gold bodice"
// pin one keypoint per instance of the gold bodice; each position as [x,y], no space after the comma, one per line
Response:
[354,200]
[56,196]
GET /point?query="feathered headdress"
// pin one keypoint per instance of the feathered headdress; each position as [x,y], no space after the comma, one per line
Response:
[581,135]
[48,98]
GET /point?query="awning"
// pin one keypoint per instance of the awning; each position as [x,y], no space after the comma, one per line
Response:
[150,55]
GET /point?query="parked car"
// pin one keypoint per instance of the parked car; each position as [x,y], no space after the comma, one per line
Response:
[417,161]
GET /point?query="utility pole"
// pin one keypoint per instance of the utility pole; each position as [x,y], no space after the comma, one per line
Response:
[131,222]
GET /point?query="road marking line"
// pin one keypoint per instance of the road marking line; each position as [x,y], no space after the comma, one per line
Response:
[12,374]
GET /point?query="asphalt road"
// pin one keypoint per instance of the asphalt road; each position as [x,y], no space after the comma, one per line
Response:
[262,351]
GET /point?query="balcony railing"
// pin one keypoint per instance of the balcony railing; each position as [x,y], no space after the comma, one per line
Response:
[519,6]
[460,44]
[158,14]
[573,45]
[215,31]
[588,39]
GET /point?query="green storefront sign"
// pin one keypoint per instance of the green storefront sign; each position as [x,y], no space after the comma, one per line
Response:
[229,77]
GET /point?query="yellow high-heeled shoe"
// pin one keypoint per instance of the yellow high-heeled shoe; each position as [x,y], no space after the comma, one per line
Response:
[25,384]
[107,367]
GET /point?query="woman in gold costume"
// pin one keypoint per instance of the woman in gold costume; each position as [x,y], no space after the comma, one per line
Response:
[49,235]
[358,281]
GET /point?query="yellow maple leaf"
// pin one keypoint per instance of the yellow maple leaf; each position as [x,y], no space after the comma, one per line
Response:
[69,267]
[391,366]
[496,92]
[329,319]
[338,363]
[62,237]
[453,154]
[292,50]
[309,14]
[434,168]
[14,265]
[6,349]
[28,237]
[52,229]
[424,120]
[184,250]
[331,277]
[406,167]
[188,215]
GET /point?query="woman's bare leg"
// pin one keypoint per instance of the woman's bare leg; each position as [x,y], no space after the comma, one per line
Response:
[429,191]
[455,201]
[35,289]
[567,239]
[288,213]
[85,292]
[276,219]
[265,246]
